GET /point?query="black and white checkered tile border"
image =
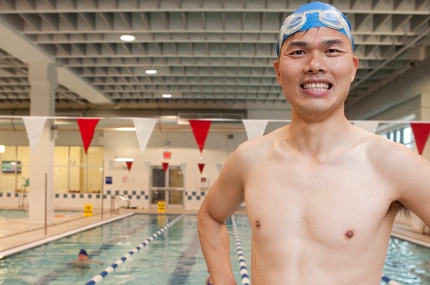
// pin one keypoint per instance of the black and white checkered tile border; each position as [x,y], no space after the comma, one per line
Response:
[131,194]
[195,195]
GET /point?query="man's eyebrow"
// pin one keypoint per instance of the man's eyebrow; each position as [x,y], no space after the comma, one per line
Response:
[298,44]
[332,42]
[325,43]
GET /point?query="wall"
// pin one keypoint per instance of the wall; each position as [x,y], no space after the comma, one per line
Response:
[105,147]
[184,150]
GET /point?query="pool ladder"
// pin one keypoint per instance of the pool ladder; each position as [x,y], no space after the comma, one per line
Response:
[118,197]
[23,192]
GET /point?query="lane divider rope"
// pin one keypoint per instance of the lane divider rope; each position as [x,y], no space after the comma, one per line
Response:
[242,264]
[123,259]
[390,281]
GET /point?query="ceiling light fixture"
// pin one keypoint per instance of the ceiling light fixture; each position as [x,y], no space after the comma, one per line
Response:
[151,71]
[127,38]
[167,95]
[125,129]
[126,159]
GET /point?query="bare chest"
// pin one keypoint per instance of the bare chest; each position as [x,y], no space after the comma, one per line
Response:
[328,203]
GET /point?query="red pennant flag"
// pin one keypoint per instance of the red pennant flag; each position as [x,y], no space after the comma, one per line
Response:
[200,130]
[129,164]
[201,166]
[165,166]
[87,127]
[421,134]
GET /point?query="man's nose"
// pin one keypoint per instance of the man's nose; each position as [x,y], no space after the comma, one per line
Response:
[315,64]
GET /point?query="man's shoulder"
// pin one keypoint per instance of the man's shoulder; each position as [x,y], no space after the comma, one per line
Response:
[392,155]
[255,149]
[262,143]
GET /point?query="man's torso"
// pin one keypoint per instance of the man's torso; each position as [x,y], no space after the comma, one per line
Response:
[323,220]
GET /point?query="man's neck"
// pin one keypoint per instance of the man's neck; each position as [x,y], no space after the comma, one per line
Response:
[320,137]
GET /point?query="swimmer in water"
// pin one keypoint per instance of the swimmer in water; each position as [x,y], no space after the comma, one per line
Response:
[83,260]
[321,194]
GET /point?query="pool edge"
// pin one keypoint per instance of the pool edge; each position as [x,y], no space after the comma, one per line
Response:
[36,243]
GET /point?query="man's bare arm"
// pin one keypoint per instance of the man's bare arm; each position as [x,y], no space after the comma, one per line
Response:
[410,174]
[222,200]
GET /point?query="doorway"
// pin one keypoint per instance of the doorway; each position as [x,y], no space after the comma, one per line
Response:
[167,186]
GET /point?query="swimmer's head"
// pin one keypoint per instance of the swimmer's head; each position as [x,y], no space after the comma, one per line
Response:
[83,251]
[314,15]
[83,255]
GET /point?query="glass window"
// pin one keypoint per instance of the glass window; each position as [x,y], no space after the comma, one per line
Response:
[176,179]
[158,177]
[176,197]
[398,136]
[407,135]
[158,195]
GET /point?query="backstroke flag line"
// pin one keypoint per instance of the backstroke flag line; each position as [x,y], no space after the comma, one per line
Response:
[87,128]
[421,133]
[200,130]
[144,128]
[254,128]
[34,127]
[369,126]
[201,167]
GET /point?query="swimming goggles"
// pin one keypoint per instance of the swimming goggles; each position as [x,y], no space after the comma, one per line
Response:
[330,18]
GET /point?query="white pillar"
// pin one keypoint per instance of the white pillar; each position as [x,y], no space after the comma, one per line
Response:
[43,79]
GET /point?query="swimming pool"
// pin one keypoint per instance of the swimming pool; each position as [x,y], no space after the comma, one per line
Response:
[23,214]
[173,258]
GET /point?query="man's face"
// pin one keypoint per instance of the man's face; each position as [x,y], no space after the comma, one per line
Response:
[315,70]
[82,257]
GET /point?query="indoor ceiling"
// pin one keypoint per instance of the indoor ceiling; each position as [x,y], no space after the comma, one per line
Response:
[214,55]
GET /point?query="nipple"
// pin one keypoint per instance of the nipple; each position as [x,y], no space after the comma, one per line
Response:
[349,234]
[257,224]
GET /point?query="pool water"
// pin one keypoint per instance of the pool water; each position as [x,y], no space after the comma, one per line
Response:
[407,263]
[173,258]
[23,214]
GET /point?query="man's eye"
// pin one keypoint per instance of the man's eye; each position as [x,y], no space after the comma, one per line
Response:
[332,50]
[297,52]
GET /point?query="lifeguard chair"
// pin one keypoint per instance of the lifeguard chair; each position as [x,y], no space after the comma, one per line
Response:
[23,192]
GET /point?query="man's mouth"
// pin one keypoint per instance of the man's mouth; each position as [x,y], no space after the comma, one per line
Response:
[317,86]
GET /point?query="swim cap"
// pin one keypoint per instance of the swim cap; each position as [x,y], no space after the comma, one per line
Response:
[313,15]
[84,252]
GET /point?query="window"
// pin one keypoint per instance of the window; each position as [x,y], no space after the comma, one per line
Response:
[402,135]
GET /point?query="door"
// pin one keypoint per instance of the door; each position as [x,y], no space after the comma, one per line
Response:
[167,186]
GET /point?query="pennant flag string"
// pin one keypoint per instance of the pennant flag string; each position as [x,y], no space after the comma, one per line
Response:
[201,166]
[110,163]
[147,165]
[200,130]
[369,126]
[165,166]
[87,128]
[421,133]
[144,128]
[34,126]
[219,167]
[255,128]
[129,164]
[183,168]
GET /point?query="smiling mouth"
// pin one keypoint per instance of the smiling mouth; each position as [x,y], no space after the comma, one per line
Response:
[316,86]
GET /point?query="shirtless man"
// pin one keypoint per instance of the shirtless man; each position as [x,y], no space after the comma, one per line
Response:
[321,194]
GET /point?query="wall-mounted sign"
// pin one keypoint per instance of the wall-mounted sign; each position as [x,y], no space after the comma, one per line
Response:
[167,155]
[108,179]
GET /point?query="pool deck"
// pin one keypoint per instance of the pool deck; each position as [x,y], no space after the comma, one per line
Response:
[17,234]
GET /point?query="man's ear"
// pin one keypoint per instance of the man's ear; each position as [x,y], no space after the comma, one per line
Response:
[276,66]
[355,62]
